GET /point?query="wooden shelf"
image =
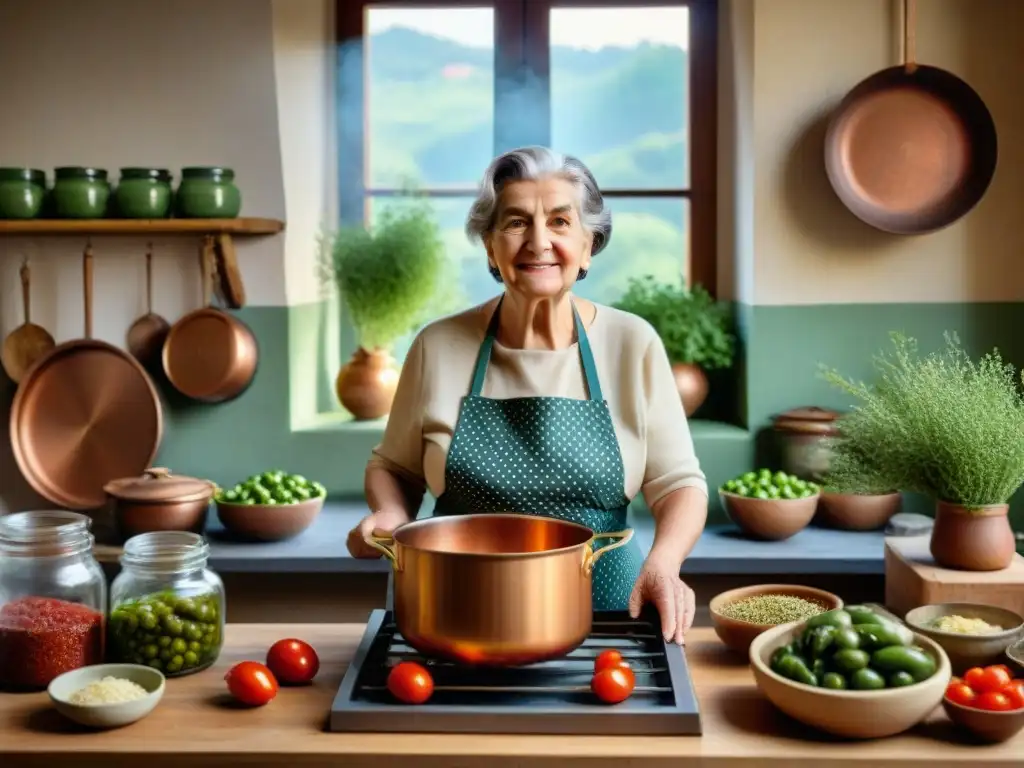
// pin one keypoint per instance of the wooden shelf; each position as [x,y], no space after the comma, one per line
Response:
[239,227]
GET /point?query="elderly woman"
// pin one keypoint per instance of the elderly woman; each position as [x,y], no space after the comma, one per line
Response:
[579,396]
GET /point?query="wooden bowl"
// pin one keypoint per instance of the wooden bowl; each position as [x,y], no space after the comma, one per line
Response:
[769,519]
[269,522]
[849,714]
[992,727]
[738,635]
[966,651]
[857,512]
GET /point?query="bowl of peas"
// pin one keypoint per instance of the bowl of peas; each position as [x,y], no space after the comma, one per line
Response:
[270,506]
[768,505]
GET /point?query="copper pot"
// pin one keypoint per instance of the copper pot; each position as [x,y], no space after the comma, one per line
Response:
[159,501]
[493,589]
[692,383]
[367,383]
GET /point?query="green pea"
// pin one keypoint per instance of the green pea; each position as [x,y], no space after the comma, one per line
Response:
[901,679]
[833,681]
[846,639]
[150,651]
[148,620]
[866,680]
[191,658]
[850,660]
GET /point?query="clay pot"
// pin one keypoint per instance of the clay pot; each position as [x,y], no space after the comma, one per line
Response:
[366,384]
[692,383]
[973,540]
[159,501]
[802,435]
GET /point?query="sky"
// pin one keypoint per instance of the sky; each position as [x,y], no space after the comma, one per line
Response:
[590,28]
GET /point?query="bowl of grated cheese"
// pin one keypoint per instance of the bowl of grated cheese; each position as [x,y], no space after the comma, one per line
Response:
[971,634]
[107,695]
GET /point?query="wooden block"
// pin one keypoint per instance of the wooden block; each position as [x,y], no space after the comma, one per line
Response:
[912,578]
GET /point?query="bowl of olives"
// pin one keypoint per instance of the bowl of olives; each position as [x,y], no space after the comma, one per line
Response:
[270,506]
[768,505]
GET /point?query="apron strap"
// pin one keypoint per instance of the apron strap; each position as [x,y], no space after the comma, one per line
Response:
[586,355]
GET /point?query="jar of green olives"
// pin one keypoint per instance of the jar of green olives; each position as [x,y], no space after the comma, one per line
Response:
[167,607]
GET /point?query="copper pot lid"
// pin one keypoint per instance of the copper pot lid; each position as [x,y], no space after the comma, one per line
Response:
[809,420]
[157,485]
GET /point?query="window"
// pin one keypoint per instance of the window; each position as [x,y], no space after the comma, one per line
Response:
[432,91]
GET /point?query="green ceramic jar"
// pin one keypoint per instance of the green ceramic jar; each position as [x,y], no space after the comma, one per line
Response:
[208,193]
[144,193]
[80,193]
[22,192]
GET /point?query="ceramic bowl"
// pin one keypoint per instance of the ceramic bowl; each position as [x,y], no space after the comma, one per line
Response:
[738,635]
[269,522]
[1015,653]
[857,512]
[769,519]
[966,651]
[848,714]
[106,715]
[992,727]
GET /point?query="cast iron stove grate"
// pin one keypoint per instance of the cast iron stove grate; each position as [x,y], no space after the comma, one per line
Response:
[552,697]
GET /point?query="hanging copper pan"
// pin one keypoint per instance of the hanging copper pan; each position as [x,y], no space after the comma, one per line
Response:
[85,414]
[209,355]
[911,149]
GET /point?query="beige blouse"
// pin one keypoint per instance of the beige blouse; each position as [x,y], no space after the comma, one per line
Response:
[636,380]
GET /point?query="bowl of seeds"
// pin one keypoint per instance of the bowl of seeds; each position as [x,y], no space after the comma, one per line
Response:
[742,614]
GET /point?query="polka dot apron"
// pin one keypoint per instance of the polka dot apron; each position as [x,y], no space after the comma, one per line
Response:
[550,456]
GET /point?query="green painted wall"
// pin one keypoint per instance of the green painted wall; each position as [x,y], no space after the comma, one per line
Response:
[781,350]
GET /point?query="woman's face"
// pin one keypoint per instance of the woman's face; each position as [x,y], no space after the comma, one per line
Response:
[538,243]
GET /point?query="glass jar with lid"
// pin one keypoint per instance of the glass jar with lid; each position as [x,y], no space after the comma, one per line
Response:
[53,598]
[167,607]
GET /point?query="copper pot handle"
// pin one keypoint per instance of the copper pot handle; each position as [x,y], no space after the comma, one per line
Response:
[157,473]
[383,542]
[590,556]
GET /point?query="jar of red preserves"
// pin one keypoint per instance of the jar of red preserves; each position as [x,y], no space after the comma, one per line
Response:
[53,598]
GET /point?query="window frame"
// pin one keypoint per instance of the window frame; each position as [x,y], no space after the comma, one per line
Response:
[522,48]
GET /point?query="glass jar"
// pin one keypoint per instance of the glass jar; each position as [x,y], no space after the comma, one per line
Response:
[80,193]
[22,191]
[208,193]
[53,598]
[167,608]
[144,193]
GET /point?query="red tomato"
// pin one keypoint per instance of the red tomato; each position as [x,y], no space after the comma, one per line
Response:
[410,683]
[960,693]
[973,677]
[608,659]
[993,679]
[613,685]
[993,701]
[251,683]
[293,661]
[1006,669]
[1015,693]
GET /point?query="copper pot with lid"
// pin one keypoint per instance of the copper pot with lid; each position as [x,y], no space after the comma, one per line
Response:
[802,436]
[494,590]
[159,501]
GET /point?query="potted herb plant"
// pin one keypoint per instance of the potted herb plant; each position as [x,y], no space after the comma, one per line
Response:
[388,277]
[946,427]
[695,329]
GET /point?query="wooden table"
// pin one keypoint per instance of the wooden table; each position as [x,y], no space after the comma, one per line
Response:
[196,725]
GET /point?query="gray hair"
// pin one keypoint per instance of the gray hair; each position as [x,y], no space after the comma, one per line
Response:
[529,164]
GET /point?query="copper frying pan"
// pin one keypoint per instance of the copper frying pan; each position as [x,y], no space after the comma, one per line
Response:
[85,414]
[209,355]
[912,148]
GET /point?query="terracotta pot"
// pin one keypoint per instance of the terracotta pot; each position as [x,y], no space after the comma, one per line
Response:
[366,384]
[802,433]
[858,512]
[692,383]
[973,540]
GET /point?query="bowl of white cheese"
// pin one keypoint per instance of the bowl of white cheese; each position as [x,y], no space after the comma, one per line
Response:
[107,695]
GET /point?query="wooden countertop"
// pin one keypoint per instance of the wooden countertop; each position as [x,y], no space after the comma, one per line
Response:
[196,725]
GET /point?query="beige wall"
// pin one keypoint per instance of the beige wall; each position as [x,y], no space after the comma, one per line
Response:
[807,249]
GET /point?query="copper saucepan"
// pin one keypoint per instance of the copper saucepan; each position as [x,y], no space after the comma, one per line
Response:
[912,148]
[210,355]
[493,589]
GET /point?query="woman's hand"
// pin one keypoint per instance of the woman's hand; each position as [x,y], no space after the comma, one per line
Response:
[382,520]
[659,583]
